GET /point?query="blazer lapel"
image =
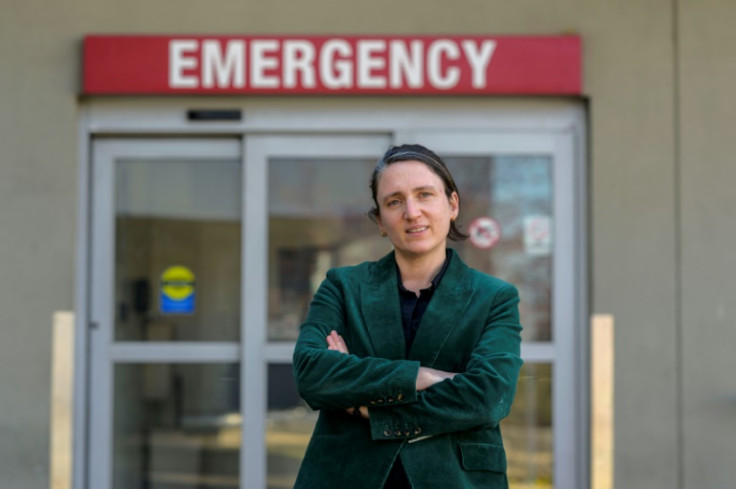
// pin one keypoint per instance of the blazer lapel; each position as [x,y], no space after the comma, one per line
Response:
[443,313]
[381,310]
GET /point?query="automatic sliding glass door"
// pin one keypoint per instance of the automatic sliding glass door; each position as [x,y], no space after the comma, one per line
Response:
[314,216]
[166,314]
[518,192]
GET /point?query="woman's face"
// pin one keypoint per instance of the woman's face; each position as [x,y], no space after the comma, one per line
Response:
[413,209]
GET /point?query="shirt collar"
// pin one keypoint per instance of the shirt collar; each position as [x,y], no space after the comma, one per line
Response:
[435,281]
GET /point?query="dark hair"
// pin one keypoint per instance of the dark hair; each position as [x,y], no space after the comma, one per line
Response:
[416,152]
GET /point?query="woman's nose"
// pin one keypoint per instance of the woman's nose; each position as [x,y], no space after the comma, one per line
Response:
[411,210]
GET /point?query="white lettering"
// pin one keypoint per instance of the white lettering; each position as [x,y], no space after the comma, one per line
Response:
[342,76]
[178,62]
[227,72]
[262,59]
[338,64]
[298,57]
[368,62]
[478,59]
[405,66]
[434,64]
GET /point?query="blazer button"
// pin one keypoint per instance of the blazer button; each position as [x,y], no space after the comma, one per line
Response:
[381,401]
[400,397]
[390,400]
[407,432]
[372,402]
[386,432]
[397,432]
[417,431]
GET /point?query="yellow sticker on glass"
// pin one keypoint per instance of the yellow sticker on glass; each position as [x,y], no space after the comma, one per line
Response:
[177,290]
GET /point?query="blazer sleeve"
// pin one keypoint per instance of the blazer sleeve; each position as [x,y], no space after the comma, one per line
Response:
[333,380]
[480,396]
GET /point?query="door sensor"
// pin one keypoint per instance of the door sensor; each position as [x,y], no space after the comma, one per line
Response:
[214,115]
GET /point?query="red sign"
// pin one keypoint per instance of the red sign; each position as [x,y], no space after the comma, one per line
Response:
[485,233]
[324,64]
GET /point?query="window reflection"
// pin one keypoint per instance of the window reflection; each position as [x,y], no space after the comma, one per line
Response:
[516,192]
[177,213]
[176,425]
[527,431]
[317,220]
[289,426]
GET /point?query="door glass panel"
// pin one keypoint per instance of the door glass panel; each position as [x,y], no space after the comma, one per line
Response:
[318,220]
[176,426]
[527,431]
[177,250]
[514,191]
[289,426]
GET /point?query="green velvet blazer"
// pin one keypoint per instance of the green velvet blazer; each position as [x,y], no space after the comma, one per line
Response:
[448,435]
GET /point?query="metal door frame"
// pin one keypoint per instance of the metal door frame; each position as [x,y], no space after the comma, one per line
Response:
[562,120]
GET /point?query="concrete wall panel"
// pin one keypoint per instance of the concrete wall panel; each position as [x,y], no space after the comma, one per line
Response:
[708,125]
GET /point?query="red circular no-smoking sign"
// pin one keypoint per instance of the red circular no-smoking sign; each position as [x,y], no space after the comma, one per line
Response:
[484,232]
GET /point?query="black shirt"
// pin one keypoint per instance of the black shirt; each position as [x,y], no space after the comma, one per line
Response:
[413,308]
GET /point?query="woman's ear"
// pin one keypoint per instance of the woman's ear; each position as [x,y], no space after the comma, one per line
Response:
[454,205]
[381,229]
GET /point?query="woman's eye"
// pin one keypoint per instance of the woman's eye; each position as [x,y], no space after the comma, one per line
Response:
[392,203]
[425,195]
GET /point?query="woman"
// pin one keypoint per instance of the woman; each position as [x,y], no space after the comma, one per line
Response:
[412,360]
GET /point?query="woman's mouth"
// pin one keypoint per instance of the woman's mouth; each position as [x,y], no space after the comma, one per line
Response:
[417,230]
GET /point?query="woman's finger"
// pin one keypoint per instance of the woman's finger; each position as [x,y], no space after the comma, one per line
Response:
[331,344]
[335,342]
[341,345]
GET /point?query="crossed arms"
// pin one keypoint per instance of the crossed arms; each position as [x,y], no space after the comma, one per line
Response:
[423,400]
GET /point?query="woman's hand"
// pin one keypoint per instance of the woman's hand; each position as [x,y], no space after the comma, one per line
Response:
[427,377]
[336,343]
[361,411]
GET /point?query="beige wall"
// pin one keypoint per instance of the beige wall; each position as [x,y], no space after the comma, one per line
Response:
[37,227]
[707,114]
[662,210]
